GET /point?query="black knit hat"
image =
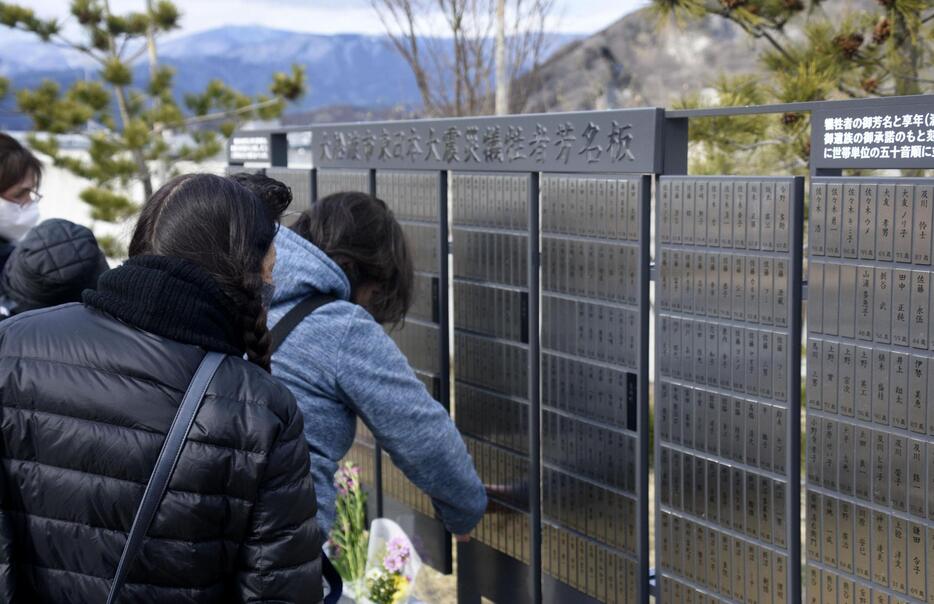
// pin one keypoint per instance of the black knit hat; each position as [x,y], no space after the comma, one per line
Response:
[52,265]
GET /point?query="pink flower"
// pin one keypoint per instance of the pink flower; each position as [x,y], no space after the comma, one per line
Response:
[393,563]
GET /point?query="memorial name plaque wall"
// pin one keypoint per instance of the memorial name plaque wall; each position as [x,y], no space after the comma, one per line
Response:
[301,182]
[491,364]
[593,245]
[727,391]
[870,387]
[334,181]
[415,199]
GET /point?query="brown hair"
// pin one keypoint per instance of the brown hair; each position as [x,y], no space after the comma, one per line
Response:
[16,161]
[223,228]
[359,233]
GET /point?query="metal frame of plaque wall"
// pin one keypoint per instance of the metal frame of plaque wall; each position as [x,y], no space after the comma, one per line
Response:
[890,133]
[727,388]
[870,424]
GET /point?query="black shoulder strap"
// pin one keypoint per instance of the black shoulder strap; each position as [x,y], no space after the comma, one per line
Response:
[296,315]
[165,466]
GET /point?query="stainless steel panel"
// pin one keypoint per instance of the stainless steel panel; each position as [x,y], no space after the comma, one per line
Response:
[898,473]
[814,373]
[879,540]
[882,300]
[816,219]
[885,231]
[867,221]
[848,301]
[725,285]
[713,213]
[767,239]
[904,222]
[726,214]
[677,207]
[815,301]
[917,393]
[829,511]
[688,213]
[739,215]
[920,308]
[829,368]
[880,381]
[901,307]
[752,289]
[921,238]
[783,202]
[845,457]
[898,408]
[700,212]
[898,567]
[880,468]
[782,290]
[861,542]
[845,537]
[753,215]
[752,573]
[766,292]
[864,383]
[916,478]
[864,302]
[831,299]
[862,462]
[850,232]
[915,562]
[739,288]
[846,398]
[834,219]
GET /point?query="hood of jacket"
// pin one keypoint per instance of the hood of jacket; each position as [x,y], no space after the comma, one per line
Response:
[302,270]
[52,265]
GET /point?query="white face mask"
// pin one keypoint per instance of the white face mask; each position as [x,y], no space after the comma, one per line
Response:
[16,219]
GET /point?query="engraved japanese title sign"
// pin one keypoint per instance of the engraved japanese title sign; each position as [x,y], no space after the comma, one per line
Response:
[604,141]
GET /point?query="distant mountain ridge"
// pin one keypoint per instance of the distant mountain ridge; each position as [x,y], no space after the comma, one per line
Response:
[343,70]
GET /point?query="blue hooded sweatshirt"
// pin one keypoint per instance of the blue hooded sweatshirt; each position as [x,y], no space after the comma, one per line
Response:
[340,364]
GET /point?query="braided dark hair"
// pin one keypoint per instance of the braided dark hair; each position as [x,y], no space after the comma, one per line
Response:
[226,230]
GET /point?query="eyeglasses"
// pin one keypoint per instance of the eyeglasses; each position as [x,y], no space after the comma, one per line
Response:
[34,197]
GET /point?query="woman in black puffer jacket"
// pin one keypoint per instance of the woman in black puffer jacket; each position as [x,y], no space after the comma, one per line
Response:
[87,394]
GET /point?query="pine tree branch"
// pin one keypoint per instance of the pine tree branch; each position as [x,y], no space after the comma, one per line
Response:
[752,30]
[198,119]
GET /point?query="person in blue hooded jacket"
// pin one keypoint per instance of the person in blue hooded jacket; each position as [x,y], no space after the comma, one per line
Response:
[340,363]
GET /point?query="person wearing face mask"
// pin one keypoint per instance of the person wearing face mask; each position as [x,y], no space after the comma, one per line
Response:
[20,176]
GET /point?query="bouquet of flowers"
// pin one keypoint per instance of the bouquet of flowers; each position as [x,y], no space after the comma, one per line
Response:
[349,538]
[392,564]
[387,583]
[378,566]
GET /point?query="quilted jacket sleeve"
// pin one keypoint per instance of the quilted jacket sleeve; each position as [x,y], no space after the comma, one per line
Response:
[280,559]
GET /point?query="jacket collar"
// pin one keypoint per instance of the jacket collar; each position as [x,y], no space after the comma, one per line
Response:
[170,297]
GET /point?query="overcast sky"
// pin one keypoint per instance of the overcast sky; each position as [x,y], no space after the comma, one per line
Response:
[336,16]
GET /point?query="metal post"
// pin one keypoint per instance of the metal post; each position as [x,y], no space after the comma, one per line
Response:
[642,450]
[535,403]
[377,450]
[793,458]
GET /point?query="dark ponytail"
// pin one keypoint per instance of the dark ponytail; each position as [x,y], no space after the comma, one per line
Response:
[226,230]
